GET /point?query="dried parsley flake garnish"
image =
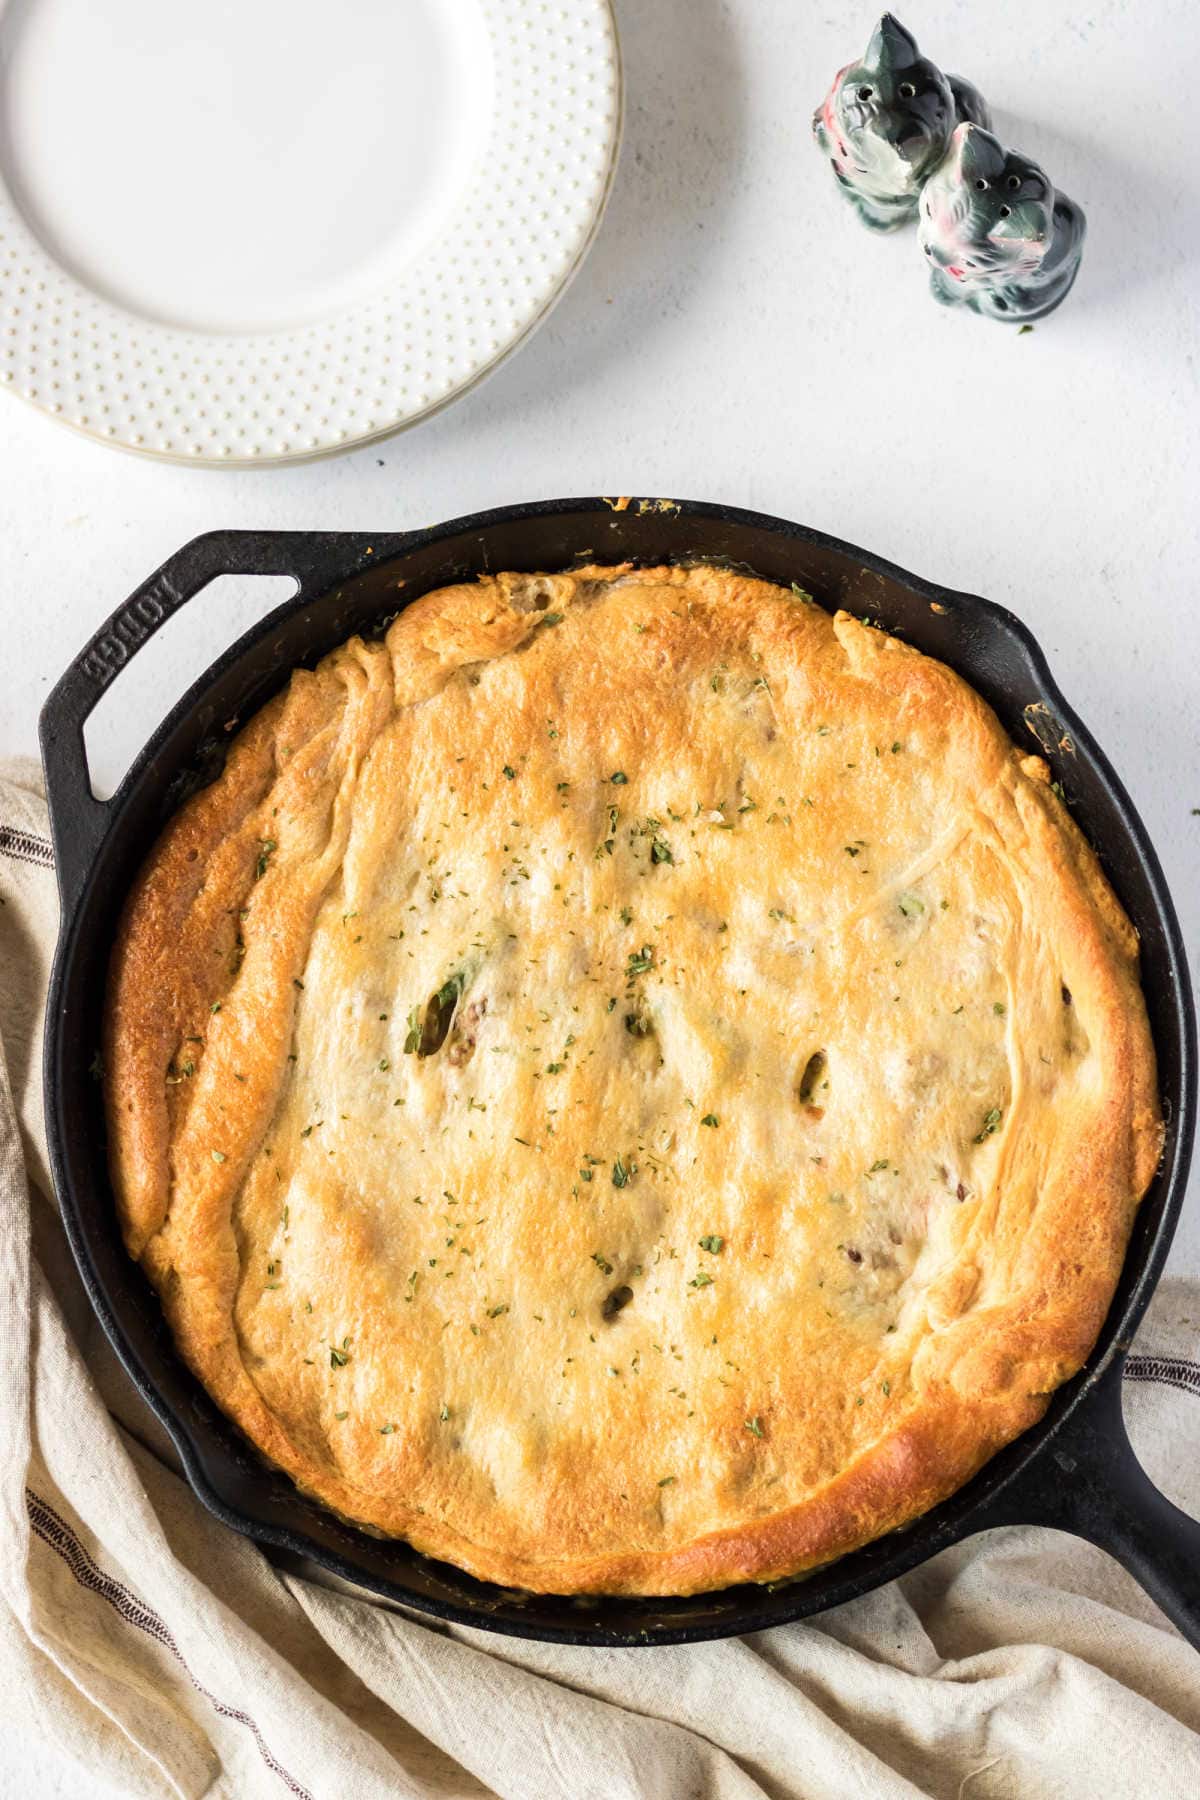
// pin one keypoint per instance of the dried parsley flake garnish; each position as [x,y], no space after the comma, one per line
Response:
[991,1124]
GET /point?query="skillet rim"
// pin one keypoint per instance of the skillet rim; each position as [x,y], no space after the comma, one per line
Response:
[328,564]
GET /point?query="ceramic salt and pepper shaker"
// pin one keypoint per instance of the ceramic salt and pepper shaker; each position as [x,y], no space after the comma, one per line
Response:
[886,123]
[996,235]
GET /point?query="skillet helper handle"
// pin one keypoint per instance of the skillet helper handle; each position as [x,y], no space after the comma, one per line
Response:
[78,820]
[1099,1491]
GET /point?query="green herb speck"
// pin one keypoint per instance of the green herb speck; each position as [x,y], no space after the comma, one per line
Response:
[991,1124]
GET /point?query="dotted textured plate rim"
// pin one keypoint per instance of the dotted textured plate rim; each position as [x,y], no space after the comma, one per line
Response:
[583,32]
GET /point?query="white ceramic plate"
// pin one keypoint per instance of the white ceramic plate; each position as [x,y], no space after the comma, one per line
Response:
[240,232]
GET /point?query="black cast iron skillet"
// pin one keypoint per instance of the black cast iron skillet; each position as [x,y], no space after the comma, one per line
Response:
[1075,1469]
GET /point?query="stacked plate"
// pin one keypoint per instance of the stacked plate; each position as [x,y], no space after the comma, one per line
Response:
[274,231]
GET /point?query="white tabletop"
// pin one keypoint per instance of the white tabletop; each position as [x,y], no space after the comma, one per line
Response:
[737,336]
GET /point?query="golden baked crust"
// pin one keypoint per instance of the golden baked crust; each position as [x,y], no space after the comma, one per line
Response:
[630,1083]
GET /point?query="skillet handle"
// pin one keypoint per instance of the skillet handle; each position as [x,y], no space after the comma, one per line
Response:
[78,820]
[1099,1491]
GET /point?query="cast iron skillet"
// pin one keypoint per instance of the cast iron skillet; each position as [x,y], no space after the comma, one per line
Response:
[1074,1470]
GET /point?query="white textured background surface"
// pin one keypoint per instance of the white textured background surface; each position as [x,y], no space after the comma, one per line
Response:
[736,336]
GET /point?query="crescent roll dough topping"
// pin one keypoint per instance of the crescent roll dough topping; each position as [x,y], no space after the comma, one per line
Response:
[628,1081]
